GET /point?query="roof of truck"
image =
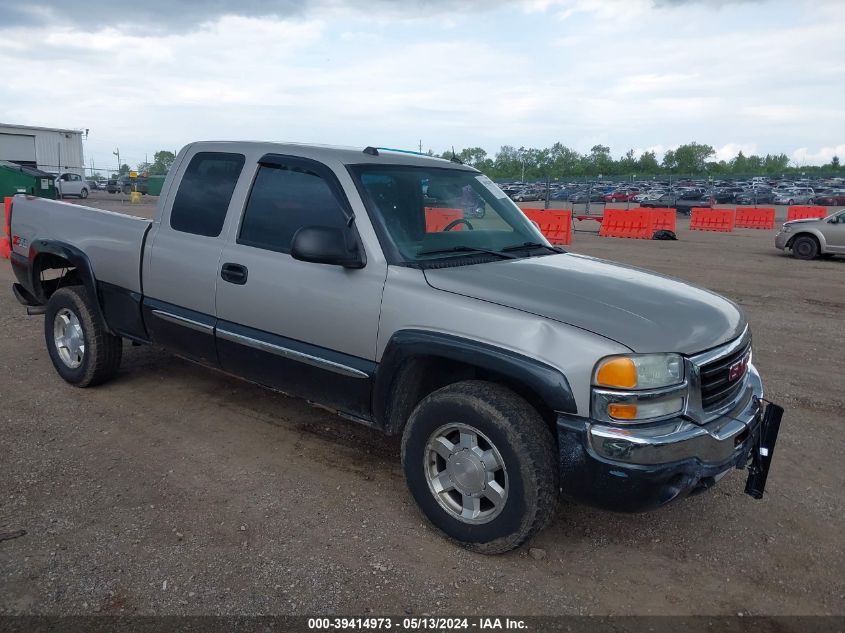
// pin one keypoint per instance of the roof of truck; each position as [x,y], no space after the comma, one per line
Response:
[344,154]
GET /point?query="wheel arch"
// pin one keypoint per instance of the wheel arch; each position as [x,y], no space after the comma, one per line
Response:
[416,362]
[51,255]
[817,235]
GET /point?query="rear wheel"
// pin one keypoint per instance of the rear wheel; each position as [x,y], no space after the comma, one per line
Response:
[805,247]
[83,352]
[83,194]
[481,464]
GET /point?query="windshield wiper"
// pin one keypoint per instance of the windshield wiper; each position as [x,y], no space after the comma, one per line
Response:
[466,249]
[529,245]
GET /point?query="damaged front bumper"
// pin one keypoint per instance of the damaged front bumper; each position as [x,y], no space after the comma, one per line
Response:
[637,468]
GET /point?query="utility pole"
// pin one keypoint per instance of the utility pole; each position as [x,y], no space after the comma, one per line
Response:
[420,146]
[117,153]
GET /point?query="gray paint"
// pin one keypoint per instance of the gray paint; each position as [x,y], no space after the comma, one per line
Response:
[829,232]
[410,303]
[112,241]
[567,311]
[644,311]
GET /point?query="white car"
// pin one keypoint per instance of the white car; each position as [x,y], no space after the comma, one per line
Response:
[70,184]
[654,194]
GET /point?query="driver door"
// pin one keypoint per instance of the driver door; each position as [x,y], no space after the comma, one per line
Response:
[834,233]
[305,328]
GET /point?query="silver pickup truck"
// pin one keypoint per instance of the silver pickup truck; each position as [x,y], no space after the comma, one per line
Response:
[410,294]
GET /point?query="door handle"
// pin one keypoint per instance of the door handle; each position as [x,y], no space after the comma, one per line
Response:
[234,273]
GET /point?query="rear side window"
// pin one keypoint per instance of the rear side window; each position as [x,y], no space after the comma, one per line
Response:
[283,200]
[205,192]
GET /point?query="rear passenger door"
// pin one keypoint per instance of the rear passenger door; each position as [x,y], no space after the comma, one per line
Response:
[305,328]
[182,254]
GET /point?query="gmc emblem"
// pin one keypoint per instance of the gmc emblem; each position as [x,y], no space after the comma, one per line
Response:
[738,369]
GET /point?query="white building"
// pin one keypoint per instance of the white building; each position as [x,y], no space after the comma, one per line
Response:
[49,149]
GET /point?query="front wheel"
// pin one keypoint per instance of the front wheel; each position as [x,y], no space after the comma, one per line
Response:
[805,247]
[83,351]
[481,464]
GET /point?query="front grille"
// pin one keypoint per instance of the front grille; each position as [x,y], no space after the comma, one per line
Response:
[716,387]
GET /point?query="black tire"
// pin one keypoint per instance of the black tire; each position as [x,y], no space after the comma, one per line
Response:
[805,247]
[527,449]
[84,193]
[790,202]
[102,350]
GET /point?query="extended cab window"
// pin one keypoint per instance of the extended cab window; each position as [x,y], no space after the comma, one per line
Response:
[205,192]
[283,200]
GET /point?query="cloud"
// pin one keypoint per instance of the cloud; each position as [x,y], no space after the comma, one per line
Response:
[729,151]
[462,72]
[190,15]
[805,156]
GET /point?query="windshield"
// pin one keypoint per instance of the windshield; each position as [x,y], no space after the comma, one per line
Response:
[435,213]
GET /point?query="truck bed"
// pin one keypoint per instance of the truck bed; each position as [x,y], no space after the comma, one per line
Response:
[112,241]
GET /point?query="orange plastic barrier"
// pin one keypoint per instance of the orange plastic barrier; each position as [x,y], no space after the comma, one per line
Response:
[637,224]
[438,219]
[704,219]
[804,213]
[755,217]
[5,240]
[665,219]
[555,225]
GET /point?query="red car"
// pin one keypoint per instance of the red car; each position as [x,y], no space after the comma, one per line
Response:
[833,199]
[621,196]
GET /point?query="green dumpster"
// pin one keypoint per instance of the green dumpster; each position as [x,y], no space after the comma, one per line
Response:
[154,184]
[17,179]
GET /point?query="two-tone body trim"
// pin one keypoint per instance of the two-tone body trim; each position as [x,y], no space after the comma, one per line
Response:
[286,352]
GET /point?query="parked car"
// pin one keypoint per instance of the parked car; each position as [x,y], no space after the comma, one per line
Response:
[724,195]
[582,197]
[682,204]
[561,194]
[794,196]
[649,195]
[808,239]
[70,184]
[122,184]
[832,199]
[625,195]
[525,195]
[316,271]
[755,196]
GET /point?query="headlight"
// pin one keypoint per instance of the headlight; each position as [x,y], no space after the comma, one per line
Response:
[638,388]
[786,228]
[639,371]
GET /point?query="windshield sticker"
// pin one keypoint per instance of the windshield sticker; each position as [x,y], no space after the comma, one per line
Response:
[491,186]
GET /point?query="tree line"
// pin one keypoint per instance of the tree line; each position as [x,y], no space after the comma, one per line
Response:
[691,159]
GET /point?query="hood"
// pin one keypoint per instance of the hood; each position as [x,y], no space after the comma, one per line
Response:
[645,311]
[802,221]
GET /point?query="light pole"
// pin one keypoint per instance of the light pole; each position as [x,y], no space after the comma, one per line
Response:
[116,152]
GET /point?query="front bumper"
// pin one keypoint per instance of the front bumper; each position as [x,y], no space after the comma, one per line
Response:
[632,469]
[781,240]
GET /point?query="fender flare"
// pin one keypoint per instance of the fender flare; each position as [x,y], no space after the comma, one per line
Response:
[77,258]
[547,382]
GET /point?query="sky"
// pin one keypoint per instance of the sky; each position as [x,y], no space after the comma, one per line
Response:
[761,76]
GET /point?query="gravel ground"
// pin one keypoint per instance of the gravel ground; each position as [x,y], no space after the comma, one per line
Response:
[178,490]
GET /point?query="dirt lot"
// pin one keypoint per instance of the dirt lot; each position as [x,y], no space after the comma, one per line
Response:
[175,489]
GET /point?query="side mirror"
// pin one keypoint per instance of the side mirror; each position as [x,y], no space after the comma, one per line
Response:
[326,245]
